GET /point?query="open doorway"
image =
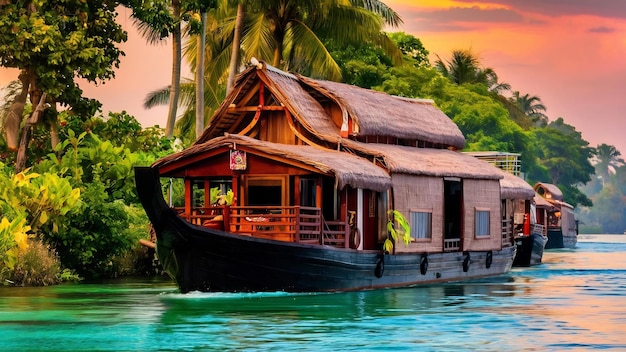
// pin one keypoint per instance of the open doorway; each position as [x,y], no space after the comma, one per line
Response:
[453,209]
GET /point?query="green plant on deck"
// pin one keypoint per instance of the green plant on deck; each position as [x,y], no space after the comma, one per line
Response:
[404,230]
[219,198]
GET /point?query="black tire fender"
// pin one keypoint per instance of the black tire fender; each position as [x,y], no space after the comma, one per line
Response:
[424,264]
[380,267]
[466,261]
[489,259]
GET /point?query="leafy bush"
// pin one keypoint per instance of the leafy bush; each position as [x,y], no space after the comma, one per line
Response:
[13,237]
[31,206]
[106,227]
[78,205]
[36,265]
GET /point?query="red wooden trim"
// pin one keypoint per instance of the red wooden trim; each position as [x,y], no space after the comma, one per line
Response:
[188,193]
[207,193]
[344,216]
[235,181]
[318,192]
[297,192]
[262,94]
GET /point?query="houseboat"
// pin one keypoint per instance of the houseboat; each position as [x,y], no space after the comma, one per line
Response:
[306,185]
[524,217]
[562,223]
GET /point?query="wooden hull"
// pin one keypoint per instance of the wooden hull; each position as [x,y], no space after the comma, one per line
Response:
[204,259]
[558,239]
[529,250]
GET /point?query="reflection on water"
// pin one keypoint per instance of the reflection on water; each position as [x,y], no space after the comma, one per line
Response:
[576,300]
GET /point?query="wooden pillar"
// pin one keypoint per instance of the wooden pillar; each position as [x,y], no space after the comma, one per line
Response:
[235,182]
[318,192]
[207,193]
[297,197]
[188,198]
[344,216]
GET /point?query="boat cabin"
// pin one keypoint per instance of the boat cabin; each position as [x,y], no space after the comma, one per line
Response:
[560,216]
[294,159]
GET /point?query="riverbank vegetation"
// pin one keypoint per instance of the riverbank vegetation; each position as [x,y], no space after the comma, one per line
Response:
[68,207]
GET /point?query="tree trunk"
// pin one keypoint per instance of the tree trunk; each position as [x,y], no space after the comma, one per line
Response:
[20,163]
[236,50]
[176,64]
[54,134]
[200,78]
[13,118]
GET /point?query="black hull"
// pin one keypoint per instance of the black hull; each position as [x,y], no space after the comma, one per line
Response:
[529,250]
[204,259]
[556,239]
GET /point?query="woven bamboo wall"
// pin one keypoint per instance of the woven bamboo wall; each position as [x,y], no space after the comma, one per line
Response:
[483,194]
[413,193]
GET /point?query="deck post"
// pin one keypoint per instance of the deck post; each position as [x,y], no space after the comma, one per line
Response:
[296,210]
[226,217]
[188,198]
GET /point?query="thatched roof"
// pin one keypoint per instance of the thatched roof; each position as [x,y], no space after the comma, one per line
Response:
[373,113]
[541,202]
[303,106]
[549,191]
[380,114]
[513,187]
[286,90]
[426,161]
[348,169]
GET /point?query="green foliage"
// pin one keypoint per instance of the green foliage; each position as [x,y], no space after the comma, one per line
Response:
[13,238]
[95,234]
[566,156]
[608,194]
[43,199]
[37,265]
[367,65]
[362,66]
[397,219]
[56,41]
[104,227]
[31,205]
[221,199]
[120,129]
[468,94]
[411,47]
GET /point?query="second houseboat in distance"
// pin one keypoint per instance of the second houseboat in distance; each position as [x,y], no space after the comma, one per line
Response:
[524,212]
[562,223]
[300,185]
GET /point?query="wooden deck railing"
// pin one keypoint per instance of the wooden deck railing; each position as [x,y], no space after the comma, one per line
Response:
[538,229]
[507,233]
[451,244]
[291,223]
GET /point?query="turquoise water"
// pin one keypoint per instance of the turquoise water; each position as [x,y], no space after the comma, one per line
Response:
[575,301]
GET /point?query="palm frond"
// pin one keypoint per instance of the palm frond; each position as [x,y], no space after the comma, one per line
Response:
[257,40]
[305,44]
[391,17]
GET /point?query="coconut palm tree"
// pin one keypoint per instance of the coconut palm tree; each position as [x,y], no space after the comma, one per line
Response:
[463,67]
[289,33]
[531,106]
[235,57]
[607,159]
[13,109]
[155,22]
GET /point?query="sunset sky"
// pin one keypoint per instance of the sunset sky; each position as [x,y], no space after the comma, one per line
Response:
[570,53]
